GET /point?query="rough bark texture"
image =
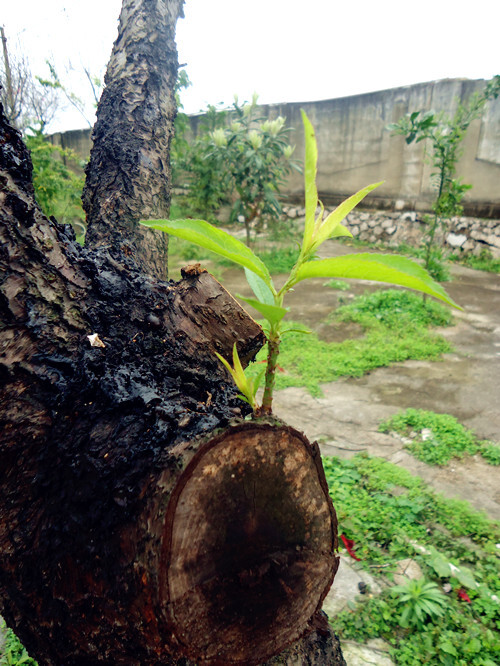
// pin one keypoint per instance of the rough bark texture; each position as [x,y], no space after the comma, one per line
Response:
[136,522]
[128,176]
[142,519]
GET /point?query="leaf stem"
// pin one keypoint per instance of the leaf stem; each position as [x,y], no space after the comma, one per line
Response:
[273,344]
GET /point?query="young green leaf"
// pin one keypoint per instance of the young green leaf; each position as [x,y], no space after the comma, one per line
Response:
[379,268]
[217,240]
[311,192]
[244,384]
[331,227]
[261,290]
[273,313]
[257,381]
[465,577]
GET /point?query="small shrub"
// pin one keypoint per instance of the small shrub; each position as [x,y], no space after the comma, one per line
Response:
[436,265]
[421,601]
[444,134]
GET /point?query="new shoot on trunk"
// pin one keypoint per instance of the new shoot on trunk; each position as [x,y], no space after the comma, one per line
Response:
[269,301]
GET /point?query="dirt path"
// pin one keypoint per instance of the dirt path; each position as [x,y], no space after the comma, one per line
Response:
[465,384]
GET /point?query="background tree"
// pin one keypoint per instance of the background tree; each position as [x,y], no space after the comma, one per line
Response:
[240,158]
[27,101]
[54,83]
[200,172]
[445,135]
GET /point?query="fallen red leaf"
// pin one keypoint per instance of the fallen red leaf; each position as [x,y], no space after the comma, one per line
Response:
[349,544]
[462,594]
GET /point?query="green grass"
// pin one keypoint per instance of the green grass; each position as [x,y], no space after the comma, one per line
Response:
[437,438]
[279,260]
[482,262]
[340,285]
[396,325]
[386,510]
[14,653]
[395,309]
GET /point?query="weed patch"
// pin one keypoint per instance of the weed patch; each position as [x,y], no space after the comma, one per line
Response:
[396,329]
[340,285]
[395,309]
[13,652]
[482,262]
[279,260]
[392,515]
[437,438]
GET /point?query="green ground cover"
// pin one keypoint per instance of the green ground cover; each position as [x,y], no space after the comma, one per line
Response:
[392,515]
[397,327]
[13,652]
[437,438]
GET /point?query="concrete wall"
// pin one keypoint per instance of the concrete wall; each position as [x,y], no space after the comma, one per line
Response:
[355,148]
[77,140]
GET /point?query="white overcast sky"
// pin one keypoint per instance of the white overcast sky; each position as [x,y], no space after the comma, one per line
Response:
[285,50]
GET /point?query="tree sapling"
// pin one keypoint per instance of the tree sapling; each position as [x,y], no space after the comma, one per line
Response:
[269,301]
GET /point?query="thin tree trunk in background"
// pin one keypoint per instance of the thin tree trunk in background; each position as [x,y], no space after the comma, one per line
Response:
[11,105]
[128,176]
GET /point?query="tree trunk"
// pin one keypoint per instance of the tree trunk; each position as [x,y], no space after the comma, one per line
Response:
[143,520]
[128,176]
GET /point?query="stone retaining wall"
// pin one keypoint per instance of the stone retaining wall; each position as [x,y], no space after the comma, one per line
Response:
[463,234]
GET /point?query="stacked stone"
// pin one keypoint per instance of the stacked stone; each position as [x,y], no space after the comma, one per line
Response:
[462,234]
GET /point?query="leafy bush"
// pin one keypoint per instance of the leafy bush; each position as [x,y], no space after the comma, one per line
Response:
[200,170]
[438,437]
[58,190]
[241,159]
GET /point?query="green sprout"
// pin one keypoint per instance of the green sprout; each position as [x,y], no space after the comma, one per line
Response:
[269,301]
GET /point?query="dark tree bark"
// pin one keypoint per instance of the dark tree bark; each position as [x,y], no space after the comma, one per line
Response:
[128,176]
[143,520]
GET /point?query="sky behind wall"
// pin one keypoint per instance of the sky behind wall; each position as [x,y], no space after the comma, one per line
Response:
[283,50]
